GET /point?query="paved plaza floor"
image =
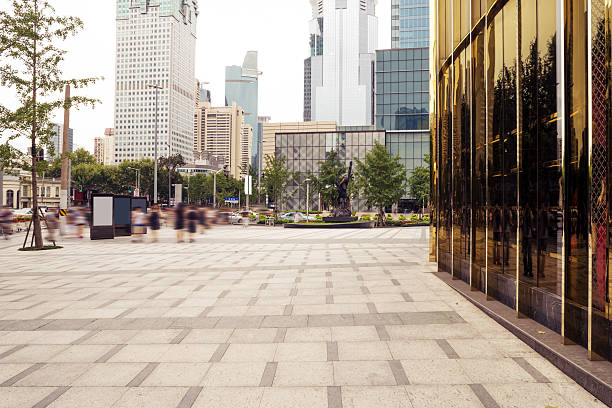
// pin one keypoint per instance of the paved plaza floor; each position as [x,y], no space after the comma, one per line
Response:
[257,317]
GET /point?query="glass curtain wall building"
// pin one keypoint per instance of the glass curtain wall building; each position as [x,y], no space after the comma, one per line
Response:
[305,151]
[521,164]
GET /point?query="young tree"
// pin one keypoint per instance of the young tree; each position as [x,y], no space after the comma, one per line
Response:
[170,164]
[29,34]
[381,180]
[419,183]
[81,156]
[330,173]
[278,176]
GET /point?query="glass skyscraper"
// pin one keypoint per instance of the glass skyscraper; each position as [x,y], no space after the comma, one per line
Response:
[522,165]
[409,23]
[242,87]
[402,87]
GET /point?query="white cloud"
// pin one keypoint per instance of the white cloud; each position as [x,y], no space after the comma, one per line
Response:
[278,29]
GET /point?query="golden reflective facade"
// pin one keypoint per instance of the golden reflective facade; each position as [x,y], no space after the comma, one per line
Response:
[522,173]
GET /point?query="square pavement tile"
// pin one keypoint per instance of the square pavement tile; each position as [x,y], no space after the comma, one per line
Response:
[576,395]
[250,352]
[109,375]
[253,336]
[111,337]
[177,375]
[363,373]
[301,352]
[154,336]
[526,396]
[368,397]
[10,370]
[188,353]
[34,354]
[475,348]
[363,351]
[90,397]
[140,353]
[416,350]
[435,372]
[354,333]
[54,375]
[87,353]
[234,375]
[207,336]
[308,334]
[23,397]
[435,396]
[151,397]
[304,374]
[294,397]
[497,371]
[236,397]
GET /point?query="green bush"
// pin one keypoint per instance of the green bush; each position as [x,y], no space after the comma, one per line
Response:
[414,217]
[366,218]
[318,217]
[402,218]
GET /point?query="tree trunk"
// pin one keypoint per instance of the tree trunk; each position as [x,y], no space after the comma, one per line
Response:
[38,240]
[382,218]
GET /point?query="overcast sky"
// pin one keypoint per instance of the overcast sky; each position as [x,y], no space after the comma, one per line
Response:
[278,29]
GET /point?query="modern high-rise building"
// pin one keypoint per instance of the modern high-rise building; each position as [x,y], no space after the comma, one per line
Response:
[521,143]
[271,129]
[99,149]
[246,134]
[409,23]
[57,139]
[242,87]
[219,132]
[155,48]
[338,75]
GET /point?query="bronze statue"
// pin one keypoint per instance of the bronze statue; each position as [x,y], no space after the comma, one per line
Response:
[343,205]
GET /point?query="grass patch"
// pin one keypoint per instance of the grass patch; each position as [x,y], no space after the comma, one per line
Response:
[45,248]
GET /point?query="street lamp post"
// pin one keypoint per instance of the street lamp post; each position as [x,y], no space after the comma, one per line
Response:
[307,199]
[137,180]
[169,178]
[157,88]
[260,165]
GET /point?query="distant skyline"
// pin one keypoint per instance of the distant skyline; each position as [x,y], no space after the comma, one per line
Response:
[277,29]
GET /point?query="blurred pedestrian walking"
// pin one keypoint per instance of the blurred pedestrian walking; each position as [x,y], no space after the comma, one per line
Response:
[139,224]
[52,220]
[154,222]
[6,222]
[193,220]
[179,221]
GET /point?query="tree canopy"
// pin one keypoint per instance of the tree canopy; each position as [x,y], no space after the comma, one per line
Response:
[419,182]
[277,177]
[330,173]
[381,180]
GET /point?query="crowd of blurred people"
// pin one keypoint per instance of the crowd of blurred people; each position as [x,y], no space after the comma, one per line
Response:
[186,220]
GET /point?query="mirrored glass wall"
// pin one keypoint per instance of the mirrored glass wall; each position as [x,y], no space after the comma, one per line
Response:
[521,167]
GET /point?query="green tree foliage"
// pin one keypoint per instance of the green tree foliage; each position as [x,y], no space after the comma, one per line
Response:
[200,188]
[168,165]
[278,176]
[330,173]
[30,32]
[81,156]
[420,181]
[381,180]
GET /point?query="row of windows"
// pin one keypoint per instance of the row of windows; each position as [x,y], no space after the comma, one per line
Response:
[402,122]
[397,76]
[403,87]
[402,54]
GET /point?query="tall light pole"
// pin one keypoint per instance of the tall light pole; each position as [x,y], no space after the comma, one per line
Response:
[169,179]
[157,88]
[307,199]
[260,165]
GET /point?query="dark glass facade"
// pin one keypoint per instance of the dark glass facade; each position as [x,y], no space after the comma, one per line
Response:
[402,89]
[521,166]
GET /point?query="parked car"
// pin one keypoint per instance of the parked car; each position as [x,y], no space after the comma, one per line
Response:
[290,216]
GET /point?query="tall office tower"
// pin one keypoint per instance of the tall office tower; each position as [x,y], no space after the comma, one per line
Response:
[261,161]
[218,132]
[99,149]
[246,136]
[155,48]
[338,75]
[409,23]
[109,147]
[57,141]
[242,87]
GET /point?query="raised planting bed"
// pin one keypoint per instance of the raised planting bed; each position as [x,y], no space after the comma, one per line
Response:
[339,225]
